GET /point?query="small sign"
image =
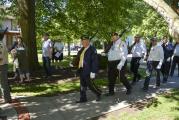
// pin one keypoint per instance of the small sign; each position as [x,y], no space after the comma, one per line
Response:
[58,54]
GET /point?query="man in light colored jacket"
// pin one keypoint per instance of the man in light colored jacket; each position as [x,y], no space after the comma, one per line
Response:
[154,62]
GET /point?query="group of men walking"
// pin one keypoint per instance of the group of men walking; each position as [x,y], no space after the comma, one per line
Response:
[159,57]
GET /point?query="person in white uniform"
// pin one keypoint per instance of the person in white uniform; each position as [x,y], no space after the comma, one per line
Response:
[117,55]
[154,62]
[138,51]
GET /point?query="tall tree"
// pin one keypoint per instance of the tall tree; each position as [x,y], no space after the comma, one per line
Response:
[27,24]
[152,24]
[169,14]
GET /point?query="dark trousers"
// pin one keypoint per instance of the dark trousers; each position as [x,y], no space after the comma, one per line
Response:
[47,65]
[135,63]
[113,73]
[151,65]
[174,62]
[86,82]
[5,87]
[165,69]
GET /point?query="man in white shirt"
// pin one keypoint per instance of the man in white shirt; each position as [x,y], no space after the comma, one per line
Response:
[154,62]
[138,51]
[117,55]
[46,54]
[57,52]
[175,59]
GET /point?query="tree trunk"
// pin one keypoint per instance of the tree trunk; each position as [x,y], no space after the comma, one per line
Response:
[69,50]
[168,14]
[27,24]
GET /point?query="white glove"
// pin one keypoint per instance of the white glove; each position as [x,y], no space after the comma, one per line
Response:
[92,75]
[172,57]
[158,66]
[168,59]
[141,61]
[70,64]
[119,66]
[103,54]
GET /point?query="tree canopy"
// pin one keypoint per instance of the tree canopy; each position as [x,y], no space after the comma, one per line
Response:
[69,19]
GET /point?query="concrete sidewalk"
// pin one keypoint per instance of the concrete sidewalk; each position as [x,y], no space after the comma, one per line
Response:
[63,107]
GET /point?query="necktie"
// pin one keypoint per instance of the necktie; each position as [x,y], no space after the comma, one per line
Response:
[81,58]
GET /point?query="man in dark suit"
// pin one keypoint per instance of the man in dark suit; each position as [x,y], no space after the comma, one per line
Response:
[87,64]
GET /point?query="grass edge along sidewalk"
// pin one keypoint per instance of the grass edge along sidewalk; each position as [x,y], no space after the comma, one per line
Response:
[162,107]
[59,87]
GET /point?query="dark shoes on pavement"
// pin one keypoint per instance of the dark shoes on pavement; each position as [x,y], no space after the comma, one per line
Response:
[138,78]
[81,101]
[128,92]
[145,89]
[98,98]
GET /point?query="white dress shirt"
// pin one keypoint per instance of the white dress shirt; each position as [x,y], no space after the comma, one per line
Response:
[58,46]
[46,46]
[138,50]
[156,54]
[176,51]
[118,51]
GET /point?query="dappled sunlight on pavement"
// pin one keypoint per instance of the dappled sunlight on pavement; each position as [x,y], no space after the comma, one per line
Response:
[63,107]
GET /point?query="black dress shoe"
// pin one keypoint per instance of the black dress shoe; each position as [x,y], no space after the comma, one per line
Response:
[98,98]
[145,89]
[128,92]
[81,101]
[138,78]
[109,94]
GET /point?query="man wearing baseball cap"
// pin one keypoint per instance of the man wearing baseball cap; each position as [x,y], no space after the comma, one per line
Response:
[117,55]
[87,64]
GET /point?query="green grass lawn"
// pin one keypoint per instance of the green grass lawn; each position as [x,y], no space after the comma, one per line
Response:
[46,89]
[165,107]
[33,89]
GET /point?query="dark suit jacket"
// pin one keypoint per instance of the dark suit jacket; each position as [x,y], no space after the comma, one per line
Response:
[90,62]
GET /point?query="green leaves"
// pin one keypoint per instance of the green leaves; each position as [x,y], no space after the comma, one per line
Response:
[68,19]
[152,24]
[73,18]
